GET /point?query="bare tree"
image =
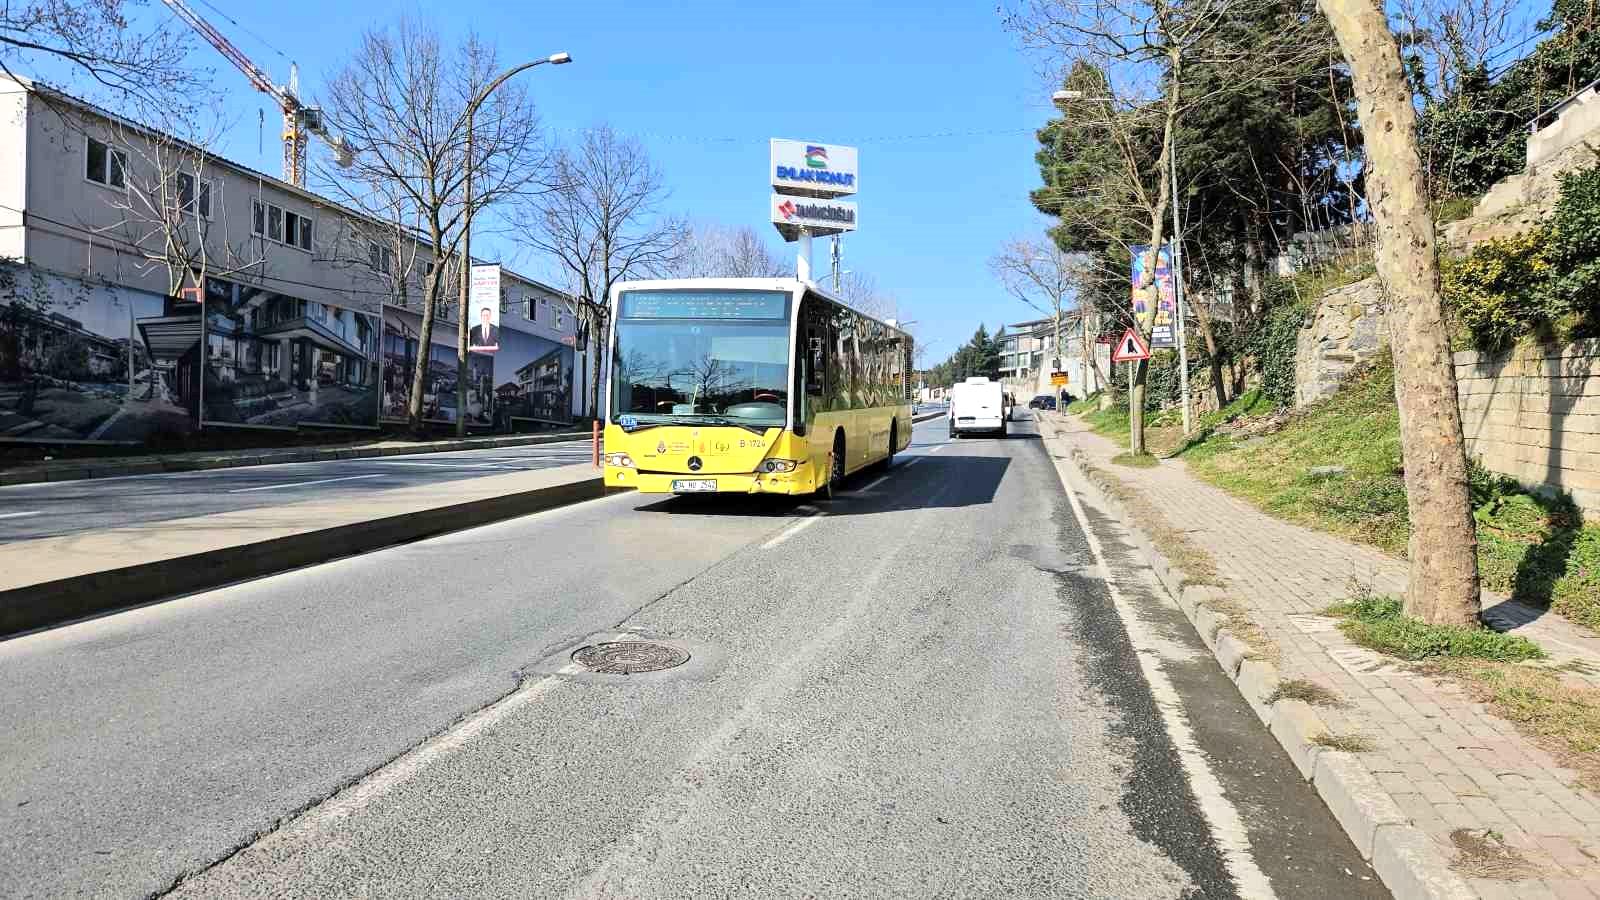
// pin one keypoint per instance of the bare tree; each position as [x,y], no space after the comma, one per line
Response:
[1041,275]
[174,211]
[600,221]
[98,39]
[713,251]
[401,100]
[1443,548]
[861,292]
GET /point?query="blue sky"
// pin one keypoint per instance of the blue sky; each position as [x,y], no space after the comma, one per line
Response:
[939,99]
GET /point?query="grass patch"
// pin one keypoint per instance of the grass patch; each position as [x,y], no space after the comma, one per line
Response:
[1136,460]
[1159,438]
[1306,692]
[1347,743]
[1535,548]
[1453,209]
[1377,623]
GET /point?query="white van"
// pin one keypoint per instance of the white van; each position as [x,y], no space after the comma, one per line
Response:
[977,404]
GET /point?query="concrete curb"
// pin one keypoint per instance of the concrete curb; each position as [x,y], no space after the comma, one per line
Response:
[56,602]
[1409,864]
[926,417]
[113,468]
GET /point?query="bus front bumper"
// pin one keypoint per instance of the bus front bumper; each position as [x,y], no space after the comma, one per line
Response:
[785,483]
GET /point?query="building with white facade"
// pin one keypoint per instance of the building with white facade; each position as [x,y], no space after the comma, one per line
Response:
[1027,351]
[149,288]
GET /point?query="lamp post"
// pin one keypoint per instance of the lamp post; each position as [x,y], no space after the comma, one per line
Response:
[1063,97]
[555,59]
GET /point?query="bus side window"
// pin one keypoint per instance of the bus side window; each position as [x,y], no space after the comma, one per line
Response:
[816,361]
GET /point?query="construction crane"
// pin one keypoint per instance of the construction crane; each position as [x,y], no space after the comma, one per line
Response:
[299,120]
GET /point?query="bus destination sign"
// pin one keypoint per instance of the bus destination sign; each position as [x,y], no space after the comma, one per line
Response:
[705,304]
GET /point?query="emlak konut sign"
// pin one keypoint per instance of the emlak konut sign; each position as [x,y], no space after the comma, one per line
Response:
[817,216]
[811,169]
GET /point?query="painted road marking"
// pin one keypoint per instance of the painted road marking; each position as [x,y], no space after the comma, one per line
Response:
[938,448]
[793,530]
[292,484]
[18,515]
[1226,825]
[875,482]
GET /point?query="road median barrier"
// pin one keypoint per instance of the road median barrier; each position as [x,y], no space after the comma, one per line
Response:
[50,581]
[82,469]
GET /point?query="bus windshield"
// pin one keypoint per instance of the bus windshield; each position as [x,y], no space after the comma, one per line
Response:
[701,371]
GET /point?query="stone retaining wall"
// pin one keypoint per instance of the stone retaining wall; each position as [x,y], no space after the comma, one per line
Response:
[1534,413]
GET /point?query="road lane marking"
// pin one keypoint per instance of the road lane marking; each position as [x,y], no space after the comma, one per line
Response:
[911,462]
[875,482]
[1226,826]
[793,530]
[291,484]
[18,515]
[938,448]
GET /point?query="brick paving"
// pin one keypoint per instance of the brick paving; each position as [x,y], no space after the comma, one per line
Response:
[1447,760]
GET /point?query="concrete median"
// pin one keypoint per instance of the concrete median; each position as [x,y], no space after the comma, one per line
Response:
[54,580]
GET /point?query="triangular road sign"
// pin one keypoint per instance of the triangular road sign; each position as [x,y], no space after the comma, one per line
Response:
[1130,348]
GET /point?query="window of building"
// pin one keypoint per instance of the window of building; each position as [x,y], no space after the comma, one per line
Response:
[105,164]
[194,195]
[278,224]
[380,258]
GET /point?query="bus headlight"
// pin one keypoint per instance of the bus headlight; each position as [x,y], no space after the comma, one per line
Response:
[620,460]
[778,465]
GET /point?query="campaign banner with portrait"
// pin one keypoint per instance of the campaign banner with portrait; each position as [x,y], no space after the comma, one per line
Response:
[1155,303]
[483,310]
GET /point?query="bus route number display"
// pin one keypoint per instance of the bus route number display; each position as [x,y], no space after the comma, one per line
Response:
[705,304]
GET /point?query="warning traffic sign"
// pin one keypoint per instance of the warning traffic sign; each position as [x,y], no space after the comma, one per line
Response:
[1130,348]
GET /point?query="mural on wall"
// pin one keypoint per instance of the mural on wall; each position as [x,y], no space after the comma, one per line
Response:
[82,362]
[528,378]
[276,361]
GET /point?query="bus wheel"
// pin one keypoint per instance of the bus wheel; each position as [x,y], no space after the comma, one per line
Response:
[894,441]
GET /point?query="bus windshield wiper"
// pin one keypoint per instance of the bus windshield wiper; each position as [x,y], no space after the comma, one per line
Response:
[726,420]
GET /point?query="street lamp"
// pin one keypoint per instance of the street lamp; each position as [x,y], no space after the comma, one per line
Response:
[554,59]
[1063,97]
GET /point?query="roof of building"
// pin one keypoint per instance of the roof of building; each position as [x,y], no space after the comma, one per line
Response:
[52,91]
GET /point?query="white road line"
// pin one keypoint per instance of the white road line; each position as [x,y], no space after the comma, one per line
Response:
[18,515]
[793,530]
[938,448]
[291,484]
[911,462]
[875,482]
[1226,825]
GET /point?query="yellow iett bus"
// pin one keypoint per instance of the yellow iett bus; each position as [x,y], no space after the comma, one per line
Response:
[749,386]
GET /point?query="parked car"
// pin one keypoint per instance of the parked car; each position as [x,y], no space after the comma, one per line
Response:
[1042,401]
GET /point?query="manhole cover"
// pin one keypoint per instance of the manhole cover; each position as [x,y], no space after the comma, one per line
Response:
[628,657]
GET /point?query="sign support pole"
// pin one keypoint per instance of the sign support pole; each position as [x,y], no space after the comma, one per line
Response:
[802,267]
[1177,282]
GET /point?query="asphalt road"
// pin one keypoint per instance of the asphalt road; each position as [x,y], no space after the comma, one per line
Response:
[68,507]
[925,690]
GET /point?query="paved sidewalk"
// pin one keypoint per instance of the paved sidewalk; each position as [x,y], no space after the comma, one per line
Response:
[1447,762]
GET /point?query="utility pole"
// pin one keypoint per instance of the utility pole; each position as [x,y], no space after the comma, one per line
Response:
[1177,278]
[466,234]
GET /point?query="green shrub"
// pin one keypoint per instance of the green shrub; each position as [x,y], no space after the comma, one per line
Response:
[1498,290]
[1274,347]
[1575,251]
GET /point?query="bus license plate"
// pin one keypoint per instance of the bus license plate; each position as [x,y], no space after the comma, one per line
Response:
[693,486]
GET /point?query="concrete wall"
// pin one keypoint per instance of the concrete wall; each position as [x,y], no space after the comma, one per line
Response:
[1534,414]
[1577,120]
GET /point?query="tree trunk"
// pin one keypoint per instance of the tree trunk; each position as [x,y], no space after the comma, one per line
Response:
[1443,550]
[1136,393]
[419,372]
[1202,317]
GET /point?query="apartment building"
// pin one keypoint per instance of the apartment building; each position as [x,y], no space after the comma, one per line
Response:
[149,288]
[1027,351]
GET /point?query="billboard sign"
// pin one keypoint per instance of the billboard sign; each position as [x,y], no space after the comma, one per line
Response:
[808,168]
[819,217]
[483,310]
[1154,302]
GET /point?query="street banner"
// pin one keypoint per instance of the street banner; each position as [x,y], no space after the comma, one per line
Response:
[483,310]
[1156,299]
